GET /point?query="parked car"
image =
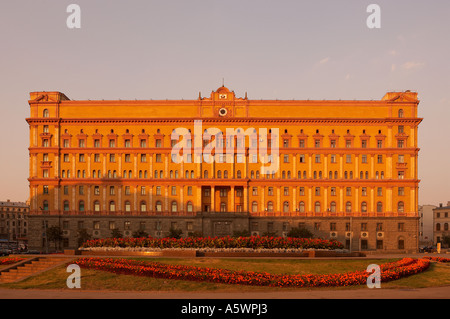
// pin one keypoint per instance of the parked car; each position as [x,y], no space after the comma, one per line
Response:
[427,249]
[4,252]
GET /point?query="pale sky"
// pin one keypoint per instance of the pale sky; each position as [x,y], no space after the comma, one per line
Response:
[142,49]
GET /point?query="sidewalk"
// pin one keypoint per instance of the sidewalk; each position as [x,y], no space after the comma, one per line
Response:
[421,293]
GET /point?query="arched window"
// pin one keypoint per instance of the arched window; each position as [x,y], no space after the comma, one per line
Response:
[438,227]
[45,205]
[238,174]
[400,113]
[96,206]
[254,206]
[127,206]
[270,206]
[186,174]
[45,113]
[192,174]
[286,207]
[400,207]
[143,206]
[379,207]
[252,174]
[317,207]
[81,206]
[333,207]
[225,174]
[219,174]
[158,206]
[301,207]
[446,227]
[205,174]
[174,206]
[66,205]
[348,207]
[364,207]
[189,207]
[112,206]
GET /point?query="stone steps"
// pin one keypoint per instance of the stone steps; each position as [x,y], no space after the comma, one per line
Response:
[30,268]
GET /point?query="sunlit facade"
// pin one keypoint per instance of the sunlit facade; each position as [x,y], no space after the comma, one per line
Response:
[344,169]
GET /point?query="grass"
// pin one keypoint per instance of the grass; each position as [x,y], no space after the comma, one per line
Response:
[437,275]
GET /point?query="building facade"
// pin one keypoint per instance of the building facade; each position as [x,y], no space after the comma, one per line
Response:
[344,169]
[441,220]
[426,224]
[14,221]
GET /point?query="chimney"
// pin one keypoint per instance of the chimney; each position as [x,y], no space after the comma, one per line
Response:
[440,204]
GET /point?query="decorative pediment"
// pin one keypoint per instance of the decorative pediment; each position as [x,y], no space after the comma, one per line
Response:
[406,96]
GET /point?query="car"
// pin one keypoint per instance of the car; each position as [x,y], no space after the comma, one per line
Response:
[4,252]
[426,249]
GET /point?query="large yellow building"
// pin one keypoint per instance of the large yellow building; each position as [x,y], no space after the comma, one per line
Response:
[343,169]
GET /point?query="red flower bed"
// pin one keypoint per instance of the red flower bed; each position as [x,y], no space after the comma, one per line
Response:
[10,260]
[389,271]
[254,242]
[438,259]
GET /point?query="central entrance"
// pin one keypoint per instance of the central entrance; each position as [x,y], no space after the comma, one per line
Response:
[223,199]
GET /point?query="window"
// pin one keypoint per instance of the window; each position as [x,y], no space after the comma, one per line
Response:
[112,206]
[317,191]
[379,207]
[286,207]
[400,207]
[379,144]
[174,207]
[81,206]
[66,205]
[401,191]
[348,158]
[45,113]
[333,191]
[96,206]
[189,207]
[400,144]
[401,227]
[348,207]
[158,206]
[400,113]
[317,159]
[364,159]
[254,207]
[270,206]
[127,158]
[302,158]
[364,207]
[333,207]
[317,207]
[380,159]
[143,206]
[127,206]
[286,191]
[333,158]
[255,191]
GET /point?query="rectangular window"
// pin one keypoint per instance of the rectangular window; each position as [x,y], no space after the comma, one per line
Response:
[127,190]
[158,143]
[96,190]
[127,158]
[286,191]
[143,158]
[348,158]
[333,191]
[364,159]
[400,143]
[301,144]
[333,158]
[317,158]
[302,158]
[302,191]
[158,158]
[97,158]
[96,143]
[66,158]
[112,158]
[112,143]
[127,143]
[270,191]
[255,191]
[401,191]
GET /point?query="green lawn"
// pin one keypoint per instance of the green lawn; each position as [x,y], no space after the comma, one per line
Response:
[437,275]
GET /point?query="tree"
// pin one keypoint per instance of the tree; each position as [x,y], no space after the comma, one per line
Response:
[115,233]
[140,234]
[54,234]
[175,233]
[82,236]
[300,232]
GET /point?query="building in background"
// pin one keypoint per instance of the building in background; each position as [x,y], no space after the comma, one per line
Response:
[14,221]
[441,219]
[346,170]
[426,224]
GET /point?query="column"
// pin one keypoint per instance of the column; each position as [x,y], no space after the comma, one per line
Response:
[233,206]
[213,198]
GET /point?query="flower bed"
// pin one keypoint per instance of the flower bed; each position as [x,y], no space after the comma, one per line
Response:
[389,271]
[10,260]
[208,243]
[438,259]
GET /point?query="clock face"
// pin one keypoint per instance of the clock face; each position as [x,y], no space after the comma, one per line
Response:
[223,111]
[222,96]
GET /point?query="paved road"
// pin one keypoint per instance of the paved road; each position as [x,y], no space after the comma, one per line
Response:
[422,293]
